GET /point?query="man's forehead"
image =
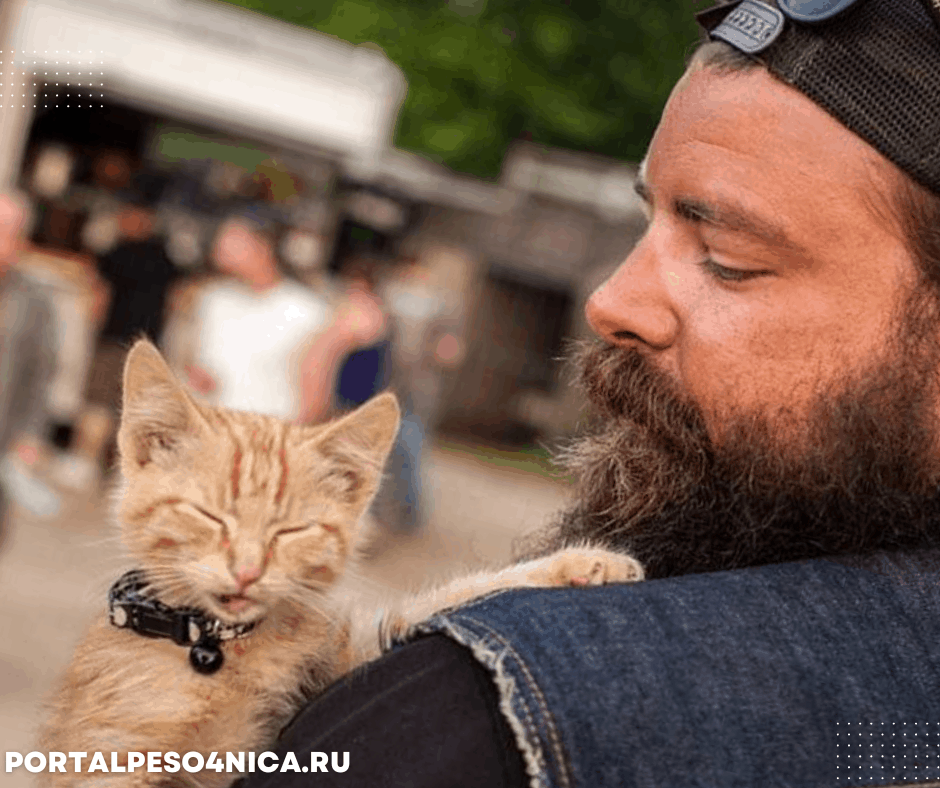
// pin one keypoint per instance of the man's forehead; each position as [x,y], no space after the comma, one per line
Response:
[751,128]
[746,154]
[235,229]
[239,238]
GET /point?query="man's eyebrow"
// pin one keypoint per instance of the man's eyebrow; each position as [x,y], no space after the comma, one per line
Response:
[727,217]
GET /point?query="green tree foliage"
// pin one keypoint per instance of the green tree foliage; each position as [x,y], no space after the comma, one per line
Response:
[588,75]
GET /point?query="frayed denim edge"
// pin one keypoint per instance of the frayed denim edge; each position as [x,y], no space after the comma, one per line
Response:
[492,651]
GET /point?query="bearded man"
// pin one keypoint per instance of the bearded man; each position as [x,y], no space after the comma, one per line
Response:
[768,445]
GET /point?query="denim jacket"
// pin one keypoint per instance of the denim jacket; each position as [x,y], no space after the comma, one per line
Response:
[808,674]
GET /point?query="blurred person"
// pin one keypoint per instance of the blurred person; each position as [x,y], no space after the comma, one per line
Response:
[79,300]
[112,175]
[181,332]
[81,436]
[137,275]
[27,365]
[81,309]
[266,343]
[365,371]
[113,170]
[766,385]
[423,347]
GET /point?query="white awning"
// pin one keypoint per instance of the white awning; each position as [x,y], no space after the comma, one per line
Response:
[220,65]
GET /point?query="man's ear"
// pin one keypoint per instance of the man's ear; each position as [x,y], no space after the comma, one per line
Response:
[356,448]
[158,415]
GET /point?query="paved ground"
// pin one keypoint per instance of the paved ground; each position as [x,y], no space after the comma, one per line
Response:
[54,575]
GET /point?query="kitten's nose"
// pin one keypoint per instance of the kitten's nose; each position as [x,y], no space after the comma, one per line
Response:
[246,575]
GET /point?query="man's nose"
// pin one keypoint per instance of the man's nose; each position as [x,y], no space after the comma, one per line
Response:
[633,307]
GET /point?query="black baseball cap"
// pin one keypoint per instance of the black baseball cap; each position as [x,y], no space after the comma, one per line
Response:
[872,64]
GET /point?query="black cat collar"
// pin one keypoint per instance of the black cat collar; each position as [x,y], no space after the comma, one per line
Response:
[130,606]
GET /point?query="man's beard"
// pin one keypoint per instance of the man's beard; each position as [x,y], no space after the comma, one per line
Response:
[861,476]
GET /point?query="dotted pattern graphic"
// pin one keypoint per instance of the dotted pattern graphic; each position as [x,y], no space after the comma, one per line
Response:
[51,78]
[887,753]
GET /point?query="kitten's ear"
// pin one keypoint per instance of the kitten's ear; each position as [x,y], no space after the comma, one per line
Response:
[357,447]
[158,414]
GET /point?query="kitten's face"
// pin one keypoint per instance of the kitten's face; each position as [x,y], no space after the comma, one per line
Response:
[234,513]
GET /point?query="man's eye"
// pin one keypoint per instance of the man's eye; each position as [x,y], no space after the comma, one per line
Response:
[729,274]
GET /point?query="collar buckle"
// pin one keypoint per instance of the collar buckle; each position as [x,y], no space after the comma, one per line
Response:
[131,606]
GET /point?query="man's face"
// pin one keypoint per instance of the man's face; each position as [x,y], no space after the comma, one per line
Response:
[767,384]
[113,170]
[765,272]
[136,222]
[240,253]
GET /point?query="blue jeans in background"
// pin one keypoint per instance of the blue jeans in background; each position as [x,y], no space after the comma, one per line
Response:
[402,487]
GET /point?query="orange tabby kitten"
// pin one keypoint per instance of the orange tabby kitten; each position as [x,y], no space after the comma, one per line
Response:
[254,523]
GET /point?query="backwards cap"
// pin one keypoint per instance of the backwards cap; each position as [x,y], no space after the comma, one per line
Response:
[872,64]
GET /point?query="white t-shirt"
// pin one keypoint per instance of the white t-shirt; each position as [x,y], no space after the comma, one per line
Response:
[252,342]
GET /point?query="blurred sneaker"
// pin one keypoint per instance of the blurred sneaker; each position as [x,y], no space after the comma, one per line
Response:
[28,491]
[74,472]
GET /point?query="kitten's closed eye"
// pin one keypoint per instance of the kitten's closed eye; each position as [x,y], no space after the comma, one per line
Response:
[207,525]
[284,531]
[204,513]
[196,513]
[319,573]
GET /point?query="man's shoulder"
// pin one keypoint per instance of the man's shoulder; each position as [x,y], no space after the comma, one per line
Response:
[220,286]
[813,582]
[748,672]
[817,607]
[304,302]
[297,291]
[224,295]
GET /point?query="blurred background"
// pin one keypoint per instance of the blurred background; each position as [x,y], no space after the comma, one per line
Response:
[434,187]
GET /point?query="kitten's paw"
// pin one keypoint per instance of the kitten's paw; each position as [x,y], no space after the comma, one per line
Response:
[585,566]
[393,628]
